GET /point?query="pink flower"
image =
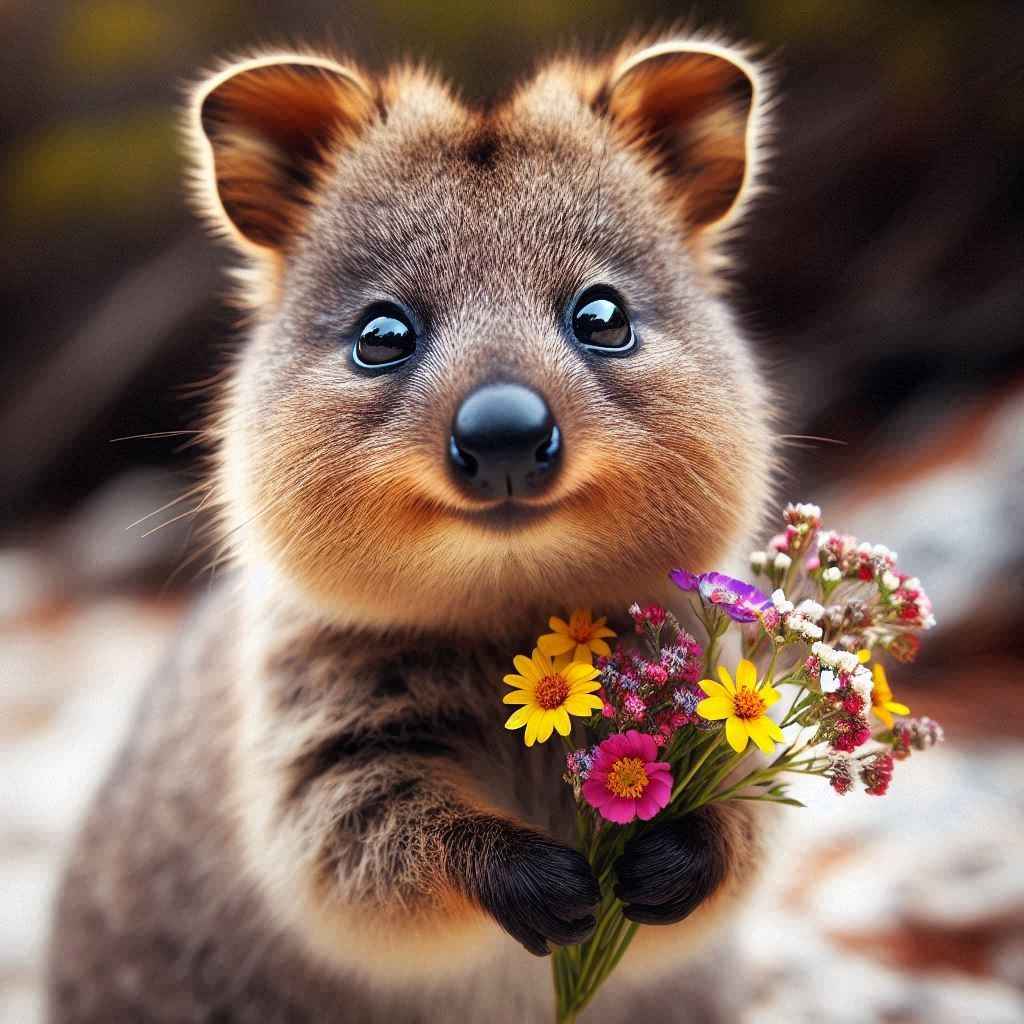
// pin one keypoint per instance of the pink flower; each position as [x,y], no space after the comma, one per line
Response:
[634,707]
[657,674]
[625,782]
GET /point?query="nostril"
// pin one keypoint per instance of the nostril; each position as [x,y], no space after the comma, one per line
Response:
[547,451]
[461,459]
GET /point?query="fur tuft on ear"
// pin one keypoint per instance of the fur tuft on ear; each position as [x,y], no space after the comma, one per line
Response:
[264,131]
[695,109]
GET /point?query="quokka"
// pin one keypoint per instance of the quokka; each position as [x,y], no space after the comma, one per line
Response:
[490,370]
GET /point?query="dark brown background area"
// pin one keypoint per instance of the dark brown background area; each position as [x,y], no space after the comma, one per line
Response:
[882,267]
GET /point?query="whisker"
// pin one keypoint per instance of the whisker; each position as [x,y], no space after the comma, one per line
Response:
[810,437]
[191,492]
[155,434]
[180,515]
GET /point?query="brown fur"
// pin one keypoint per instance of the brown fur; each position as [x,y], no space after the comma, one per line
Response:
[319,814]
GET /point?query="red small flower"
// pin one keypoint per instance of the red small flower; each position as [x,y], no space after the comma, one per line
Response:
[853,703]
[657,674]
[904,647]
[877,774]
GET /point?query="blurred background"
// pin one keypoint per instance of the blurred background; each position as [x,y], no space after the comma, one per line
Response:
[882,273]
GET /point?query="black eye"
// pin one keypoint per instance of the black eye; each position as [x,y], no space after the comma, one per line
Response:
[386,339]
[600,322]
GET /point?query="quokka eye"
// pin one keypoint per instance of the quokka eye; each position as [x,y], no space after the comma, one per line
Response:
[600,322]
[385,340]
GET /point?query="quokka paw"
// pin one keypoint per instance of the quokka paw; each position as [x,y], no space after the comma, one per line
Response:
[665,873]
[540,891]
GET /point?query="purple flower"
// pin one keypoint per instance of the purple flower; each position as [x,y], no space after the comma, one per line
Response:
[686,700]
[740,601]
[579,762]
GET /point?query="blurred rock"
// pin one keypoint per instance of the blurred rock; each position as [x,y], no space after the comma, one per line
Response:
[71,679]
[953,509]
[132,534]
[894,908]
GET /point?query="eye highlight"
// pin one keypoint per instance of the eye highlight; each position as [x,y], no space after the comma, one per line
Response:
[600,323]
[385,340]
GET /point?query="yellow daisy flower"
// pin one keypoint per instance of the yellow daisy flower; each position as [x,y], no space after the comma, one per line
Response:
[743,705]
[581,637]
[549,696]
[882,704]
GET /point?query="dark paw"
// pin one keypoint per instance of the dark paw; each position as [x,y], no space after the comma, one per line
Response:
[666,872]
[539,891]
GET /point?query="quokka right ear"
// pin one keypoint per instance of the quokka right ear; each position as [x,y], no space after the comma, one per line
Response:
[265,131]
[696,108]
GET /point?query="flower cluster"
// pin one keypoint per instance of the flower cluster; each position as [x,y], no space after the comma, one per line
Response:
[873,773]
[662,728]
[915,734]
[786,621]
[654,691]
[577,767]
[787,549]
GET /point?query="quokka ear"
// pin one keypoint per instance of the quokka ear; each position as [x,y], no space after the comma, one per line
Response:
[694,107]
[265,131]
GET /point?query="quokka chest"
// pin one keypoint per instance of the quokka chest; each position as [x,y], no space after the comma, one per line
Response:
[340,699]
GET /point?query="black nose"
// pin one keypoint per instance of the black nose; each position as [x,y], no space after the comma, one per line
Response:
[504,442]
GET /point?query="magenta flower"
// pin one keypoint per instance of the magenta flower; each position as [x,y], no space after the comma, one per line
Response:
[625,782]
[740,601]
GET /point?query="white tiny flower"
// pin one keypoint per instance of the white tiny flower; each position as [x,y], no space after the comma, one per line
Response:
[758,560]
[847,662]
[913,583]
[864,548]
[782,605]
[928,622]
[782,561]
[825,654]
[811,631]
[890,581]
[832,574]
[810,609]
[829,683]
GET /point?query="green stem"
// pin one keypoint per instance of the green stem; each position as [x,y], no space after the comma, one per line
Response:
[712,747]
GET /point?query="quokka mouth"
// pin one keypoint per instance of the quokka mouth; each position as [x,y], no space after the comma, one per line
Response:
[508,515]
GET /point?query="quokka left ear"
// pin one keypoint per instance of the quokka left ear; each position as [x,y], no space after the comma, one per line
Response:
[264,131]
[694,108]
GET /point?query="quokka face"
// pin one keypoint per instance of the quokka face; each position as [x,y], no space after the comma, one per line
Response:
[487,360]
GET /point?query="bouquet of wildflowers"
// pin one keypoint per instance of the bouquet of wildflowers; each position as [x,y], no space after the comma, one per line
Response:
[669,725]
